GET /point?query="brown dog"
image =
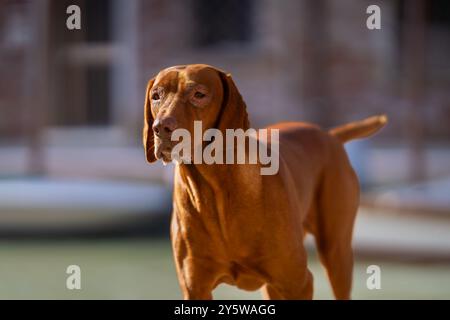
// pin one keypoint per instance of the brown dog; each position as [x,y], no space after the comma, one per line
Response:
[230,224]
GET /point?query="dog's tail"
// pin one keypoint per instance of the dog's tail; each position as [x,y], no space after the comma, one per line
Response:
[359,129]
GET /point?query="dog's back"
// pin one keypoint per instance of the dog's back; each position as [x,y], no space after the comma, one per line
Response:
[324,189]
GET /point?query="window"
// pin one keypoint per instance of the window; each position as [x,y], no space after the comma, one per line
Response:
[219,22]
[85,68]
[98,21]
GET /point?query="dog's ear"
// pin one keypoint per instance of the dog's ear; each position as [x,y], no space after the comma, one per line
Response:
[147,133]
[233,112]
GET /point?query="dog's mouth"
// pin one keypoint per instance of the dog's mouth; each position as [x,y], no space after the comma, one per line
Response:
[164,154]
[163,150]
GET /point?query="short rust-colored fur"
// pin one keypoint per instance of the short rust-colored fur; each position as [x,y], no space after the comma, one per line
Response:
[230,224]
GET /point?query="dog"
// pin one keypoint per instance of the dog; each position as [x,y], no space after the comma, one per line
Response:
[232,225]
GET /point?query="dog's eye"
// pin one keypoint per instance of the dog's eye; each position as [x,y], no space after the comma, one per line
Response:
[199,95]
[155,96]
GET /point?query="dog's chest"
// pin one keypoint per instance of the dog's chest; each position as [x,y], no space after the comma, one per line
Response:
[219,211]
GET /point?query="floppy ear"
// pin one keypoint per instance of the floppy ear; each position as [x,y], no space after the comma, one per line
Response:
[233,113]
[147,133]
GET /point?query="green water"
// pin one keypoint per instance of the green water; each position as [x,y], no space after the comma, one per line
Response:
[143,269]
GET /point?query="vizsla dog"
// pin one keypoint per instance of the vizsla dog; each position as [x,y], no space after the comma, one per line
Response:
[230,224]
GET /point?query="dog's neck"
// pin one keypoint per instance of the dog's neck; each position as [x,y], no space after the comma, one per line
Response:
[215,177]
[212,192]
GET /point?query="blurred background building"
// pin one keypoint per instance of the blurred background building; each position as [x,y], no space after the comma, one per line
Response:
[71,105]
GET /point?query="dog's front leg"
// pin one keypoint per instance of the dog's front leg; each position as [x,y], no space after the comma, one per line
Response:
[197,278]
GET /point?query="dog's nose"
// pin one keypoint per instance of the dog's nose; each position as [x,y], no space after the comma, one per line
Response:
[164,125]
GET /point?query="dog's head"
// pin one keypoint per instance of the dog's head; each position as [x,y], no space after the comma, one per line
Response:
[180,95]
